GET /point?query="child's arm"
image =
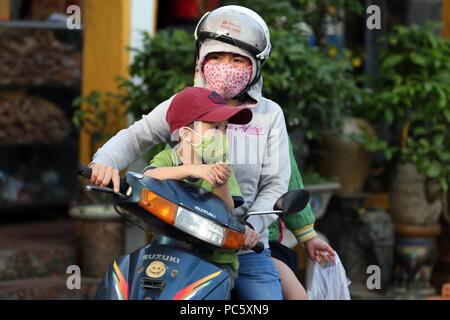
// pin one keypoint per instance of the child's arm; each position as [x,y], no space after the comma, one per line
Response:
[201,171]
[177,173]
[223,192]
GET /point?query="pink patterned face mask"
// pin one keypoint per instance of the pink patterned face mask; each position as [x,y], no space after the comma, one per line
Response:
[226,79]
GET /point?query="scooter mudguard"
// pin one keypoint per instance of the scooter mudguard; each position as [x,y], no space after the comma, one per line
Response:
[162,272]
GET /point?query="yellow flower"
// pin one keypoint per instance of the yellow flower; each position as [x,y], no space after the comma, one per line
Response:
[356,62]
[332,52]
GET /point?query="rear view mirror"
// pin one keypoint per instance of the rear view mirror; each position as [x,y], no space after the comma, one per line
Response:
[292,201]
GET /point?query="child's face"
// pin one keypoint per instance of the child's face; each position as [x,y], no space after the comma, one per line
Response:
[226,57]
[202,130]
[207,139]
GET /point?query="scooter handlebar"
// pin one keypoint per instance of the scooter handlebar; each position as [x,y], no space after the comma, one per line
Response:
[259,247]
[86,172]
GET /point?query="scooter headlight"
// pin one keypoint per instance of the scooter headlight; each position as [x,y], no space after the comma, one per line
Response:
[199,226]
[191,222]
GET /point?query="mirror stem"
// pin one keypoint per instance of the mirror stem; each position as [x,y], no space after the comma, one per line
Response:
[259,213]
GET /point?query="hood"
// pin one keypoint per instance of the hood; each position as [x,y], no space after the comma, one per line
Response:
[255,92]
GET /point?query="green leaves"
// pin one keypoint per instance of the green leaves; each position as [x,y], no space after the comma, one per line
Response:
[413,85]
[315,90]
[162,67]
[392,61]
[418,59]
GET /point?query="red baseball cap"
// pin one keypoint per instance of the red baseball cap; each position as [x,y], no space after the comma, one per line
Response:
[201,104]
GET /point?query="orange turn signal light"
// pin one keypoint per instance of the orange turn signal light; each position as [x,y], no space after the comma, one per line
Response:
[233,239]
[158,206]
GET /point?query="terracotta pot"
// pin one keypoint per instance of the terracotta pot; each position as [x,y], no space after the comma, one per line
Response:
[408,200]
[441,272]
[320,196]
[101,237]
[345,161]
[404,230]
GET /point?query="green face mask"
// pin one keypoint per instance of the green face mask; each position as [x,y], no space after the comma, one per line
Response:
[212,149]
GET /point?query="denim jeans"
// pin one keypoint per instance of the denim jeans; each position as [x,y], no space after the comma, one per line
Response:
[258,278]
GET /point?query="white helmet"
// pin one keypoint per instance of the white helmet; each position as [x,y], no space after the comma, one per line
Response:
[237,26]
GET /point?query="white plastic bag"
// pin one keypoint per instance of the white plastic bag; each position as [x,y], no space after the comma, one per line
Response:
[329,282]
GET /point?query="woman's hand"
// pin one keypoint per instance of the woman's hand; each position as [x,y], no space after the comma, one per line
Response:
[251,238]
[320,251]
[102,176]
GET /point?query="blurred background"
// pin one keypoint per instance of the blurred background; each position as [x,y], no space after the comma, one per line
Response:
[367,111]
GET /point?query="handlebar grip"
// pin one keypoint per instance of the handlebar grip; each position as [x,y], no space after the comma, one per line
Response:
[84,171]
[259,247]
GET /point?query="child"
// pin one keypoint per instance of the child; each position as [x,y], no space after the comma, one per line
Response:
[200,117]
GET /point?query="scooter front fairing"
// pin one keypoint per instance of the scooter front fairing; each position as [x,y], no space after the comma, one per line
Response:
[163,272]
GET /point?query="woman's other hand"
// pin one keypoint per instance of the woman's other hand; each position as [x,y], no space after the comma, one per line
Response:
[251,238]
[320,251]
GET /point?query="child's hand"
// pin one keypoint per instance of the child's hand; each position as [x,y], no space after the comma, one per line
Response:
[320,251]
[222,172]
[204,171]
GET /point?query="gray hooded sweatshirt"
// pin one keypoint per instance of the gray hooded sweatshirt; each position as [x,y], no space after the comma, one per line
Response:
[258,151]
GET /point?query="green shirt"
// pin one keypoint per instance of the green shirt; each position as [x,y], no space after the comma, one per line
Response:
[302,223]
[169,158]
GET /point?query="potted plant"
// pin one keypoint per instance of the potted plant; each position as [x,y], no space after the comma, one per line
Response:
[100,230]
[163,66]
[412,94]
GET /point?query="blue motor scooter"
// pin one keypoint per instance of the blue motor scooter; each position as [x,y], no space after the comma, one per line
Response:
[183,220]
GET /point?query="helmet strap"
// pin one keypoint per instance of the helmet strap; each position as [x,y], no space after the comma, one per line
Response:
[197,52]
